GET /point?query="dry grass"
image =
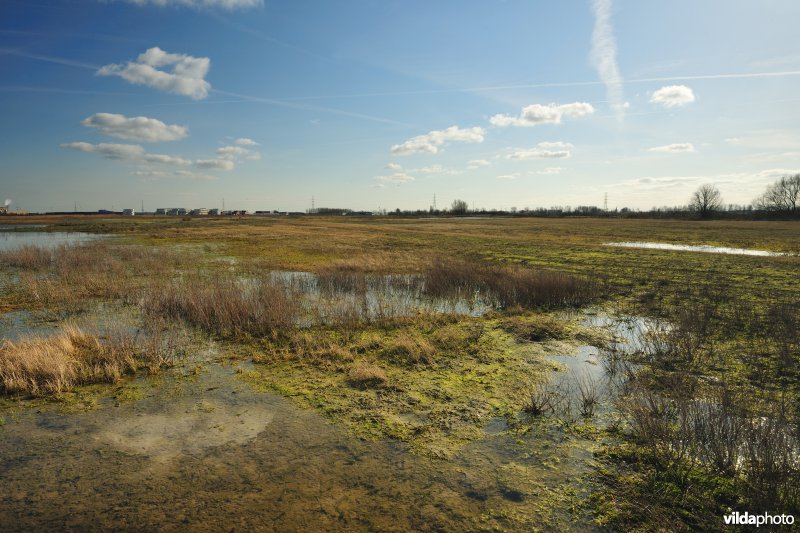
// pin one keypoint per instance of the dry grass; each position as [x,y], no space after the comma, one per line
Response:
[27,257]
[508,286]
[226,306]
[365,375]
[67,276]
[409,349]
[58,363]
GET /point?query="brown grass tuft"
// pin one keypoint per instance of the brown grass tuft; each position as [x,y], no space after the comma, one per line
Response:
[71,357]
[410,348]
[364,375]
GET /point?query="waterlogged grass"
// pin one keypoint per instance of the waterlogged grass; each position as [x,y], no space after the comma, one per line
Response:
[437,381]
[434,385]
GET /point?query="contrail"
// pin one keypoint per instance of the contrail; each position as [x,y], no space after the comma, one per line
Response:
[545,85]
[49,59]
[604,54]
[284,103]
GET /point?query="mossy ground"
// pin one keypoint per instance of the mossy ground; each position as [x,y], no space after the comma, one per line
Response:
[445,380]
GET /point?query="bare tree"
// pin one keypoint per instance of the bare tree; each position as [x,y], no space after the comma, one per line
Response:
[459,207]
[783,195]
[706,200]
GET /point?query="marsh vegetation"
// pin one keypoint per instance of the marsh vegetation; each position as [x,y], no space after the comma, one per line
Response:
[445,328]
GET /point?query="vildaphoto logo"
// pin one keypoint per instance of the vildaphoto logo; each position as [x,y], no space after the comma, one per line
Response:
[764,519]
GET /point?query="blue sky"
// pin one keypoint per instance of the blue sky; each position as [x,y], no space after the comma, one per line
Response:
[368,105]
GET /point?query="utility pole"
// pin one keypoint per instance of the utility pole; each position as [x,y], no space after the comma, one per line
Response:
[434,202]
[313,208]
[142,211]
[223,204]
[605,203]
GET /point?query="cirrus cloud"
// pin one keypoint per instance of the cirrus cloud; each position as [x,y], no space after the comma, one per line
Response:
[186,77]
[431,142]
[135,128]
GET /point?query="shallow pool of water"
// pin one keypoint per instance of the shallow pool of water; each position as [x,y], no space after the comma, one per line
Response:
[694,248]
[201,450]
[10,240]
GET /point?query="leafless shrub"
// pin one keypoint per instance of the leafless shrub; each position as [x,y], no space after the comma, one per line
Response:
[589,395]
[771,463]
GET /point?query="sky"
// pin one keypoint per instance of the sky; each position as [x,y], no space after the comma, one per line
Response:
[108,104]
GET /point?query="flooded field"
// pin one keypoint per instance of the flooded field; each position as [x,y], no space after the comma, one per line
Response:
[10,240]
[200,449]
[694,248]
[292,382]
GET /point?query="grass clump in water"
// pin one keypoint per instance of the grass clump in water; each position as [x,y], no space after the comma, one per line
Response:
[509,286]
[72,357]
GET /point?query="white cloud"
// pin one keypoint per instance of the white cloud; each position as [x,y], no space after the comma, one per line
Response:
[109,150]
[435,169]
[535,114]
[547,145]
[508,176]
[232,152]
[677,148]
[604,55]
[132,152]
[550,170]
[187,75]
[220,164]
[397,178]
[244,141]
[255,156]
[165,159]
[393,166]
[135,128]
[477,163]
[673,96]
[543,150]
[223,4]
[151,175]
[432,141]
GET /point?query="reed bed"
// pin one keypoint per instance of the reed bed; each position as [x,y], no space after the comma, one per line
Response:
[509,286]
[227,306]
